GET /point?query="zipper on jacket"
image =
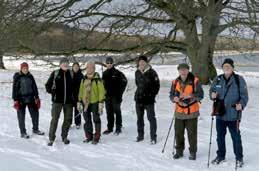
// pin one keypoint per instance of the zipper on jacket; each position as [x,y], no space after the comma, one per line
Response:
[65,88]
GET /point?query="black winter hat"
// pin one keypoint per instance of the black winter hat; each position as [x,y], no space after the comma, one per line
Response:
[228,61]
[142,57]
[109,60]
[64,60]
[183,66]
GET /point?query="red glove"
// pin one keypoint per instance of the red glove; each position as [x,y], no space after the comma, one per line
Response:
[38,103]
[17,105]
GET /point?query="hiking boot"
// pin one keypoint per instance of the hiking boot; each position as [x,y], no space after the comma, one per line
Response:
[38,132]
[25,136]
[117,132]
[87,140]
[178,155]
[88,137]
[50,143]
[153,141]
[96,138]
[66,141]
[239,162]
[192,156]
[107,131]
[217,160]
[139,138]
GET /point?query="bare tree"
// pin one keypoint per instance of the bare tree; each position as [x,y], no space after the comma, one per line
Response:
[16,20]
[187,26]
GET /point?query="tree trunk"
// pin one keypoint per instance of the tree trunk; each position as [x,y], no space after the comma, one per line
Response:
[202,60]
[1,60]
[202,65]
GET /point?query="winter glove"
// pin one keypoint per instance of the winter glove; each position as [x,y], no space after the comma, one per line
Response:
[79,107]
[100,108]
[38,103]
[17,105]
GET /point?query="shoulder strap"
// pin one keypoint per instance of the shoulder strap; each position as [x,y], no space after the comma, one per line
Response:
[71,74]
[175,82]
[194,83]
[236,77]
[54,79]
[228,87]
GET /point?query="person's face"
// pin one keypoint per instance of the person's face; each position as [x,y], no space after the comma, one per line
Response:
[227,69]
[142,65]
[25,70]
[183,72]
[76,68]
[64,66]
[109,65]
[90,68]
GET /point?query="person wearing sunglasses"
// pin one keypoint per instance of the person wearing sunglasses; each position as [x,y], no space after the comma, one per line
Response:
[115,84]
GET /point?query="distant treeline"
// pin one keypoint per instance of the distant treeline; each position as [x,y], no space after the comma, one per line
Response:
[60,38]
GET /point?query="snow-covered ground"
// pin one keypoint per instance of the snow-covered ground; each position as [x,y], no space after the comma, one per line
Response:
[119,152]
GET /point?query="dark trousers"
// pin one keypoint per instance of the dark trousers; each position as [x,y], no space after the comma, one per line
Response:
[55,114]
[191,126]
[88,126]
[34,112]
[77,116]
[113,107]
[150,109]
[221,127]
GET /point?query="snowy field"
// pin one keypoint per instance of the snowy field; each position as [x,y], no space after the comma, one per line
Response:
[119,153]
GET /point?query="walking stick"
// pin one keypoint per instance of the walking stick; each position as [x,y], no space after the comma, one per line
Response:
[168,134]
[212,119]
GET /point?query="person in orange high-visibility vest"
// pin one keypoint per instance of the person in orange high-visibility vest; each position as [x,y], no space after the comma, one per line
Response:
[186,92]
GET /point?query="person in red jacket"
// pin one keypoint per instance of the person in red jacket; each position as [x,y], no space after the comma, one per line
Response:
[25,94]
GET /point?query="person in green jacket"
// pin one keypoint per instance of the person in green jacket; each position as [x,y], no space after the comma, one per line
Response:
[92,96]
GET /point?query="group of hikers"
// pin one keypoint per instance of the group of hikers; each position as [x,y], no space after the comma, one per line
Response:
[74,92]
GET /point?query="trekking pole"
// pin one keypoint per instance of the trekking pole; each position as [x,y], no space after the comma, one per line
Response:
[212,119]
[78,114]
[168,134]
[238,119]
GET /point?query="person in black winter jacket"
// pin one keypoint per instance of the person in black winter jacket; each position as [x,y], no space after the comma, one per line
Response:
[148,86]
[25,93]
[77,77]
[115,84]
[60,86]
